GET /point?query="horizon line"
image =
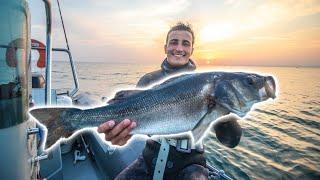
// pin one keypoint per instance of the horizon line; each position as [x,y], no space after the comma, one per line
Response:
[203,64]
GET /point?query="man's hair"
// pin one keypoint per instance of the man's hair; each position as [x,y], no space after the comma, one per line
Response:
[180,26]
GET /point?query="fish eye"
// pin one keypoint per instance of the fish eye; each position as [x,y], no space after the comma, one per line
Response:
[250,80]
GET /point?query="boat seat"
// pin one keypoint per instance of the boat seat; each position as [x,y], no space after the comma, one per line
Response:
[38,81]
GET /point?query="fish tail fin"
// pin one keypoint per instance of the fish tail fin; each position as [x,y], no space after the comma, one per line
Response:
[53,119]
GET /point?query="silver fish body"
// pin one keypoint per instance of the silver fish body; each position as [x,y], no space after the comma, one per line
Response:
[188,102]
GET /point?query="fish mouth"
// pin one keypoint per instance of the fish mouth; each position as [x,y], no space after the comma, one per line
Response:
[269,89]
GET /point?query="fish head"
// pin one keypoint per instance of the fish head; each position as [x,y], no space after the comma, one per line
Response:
[239,91]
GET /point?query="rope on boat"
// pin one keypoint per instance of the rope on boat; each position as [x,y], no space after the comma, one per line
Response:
[216,174]
[64,31]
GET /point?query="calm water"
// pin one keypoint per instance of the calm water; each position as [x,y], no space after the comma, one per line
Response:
[281,138]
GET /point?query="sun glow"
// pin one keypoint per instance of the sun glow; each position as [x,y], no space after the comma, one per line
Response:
[216,32]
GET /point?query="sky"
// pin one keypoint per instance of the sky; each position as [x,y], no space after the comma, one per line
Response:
[229,32]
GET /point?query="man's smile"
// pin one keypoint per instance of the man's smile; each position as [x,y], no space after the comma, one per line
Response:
[178,54]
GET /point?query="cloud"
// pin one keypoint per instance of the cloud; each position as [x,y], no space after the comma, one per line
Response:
[156,9]
[107,29]
[140,24]
[277,11]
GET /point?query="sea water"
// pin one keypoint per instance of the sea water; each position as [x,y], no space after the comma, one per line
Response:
[280,140]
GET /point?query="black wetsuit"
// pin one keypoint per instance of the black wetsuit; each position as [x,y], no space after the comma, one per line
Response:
[180,165]
[165,71]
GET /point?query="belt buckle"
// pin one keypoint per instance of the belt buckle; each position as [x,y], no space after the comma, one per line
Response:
[182,149]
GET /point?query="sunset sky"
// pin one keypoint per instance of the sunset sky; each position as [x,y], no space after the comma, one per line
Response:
[276,33]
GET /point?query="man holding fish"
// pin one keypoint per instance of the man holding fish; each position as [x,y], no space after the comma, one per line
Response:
[183,161]
[189,102]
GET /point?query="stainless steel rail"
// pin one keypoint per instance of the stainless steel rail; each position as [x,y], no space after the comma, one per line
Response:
[73,69]
[48,51]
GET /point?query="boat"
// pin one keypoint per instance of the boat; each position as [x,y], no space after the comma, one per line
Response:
[22,154]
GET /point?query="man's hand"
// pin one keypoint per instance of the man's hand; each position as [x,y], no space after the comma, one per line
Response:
[119,134]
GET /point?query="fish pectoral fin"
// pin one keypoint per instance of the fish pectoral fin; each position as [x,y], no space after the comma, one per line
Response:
[199,130]
[122,95]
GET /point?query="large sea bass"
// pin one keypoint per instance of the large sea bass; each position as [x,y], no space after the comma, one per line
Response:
[188,102]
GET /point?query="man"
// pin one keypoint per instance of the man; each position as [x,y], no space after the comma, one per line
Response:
[178,49]
[183,161]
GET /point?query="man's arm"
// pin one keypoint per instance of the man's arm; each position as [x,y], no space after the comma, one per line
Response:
[117,134]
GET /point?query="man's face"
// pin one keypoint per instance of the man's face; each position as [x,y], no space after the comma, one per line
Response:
[178,48]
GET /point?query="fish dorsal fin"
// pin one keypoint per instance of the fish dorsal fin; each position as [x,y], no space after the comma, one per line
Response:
[169,80]
[122,95]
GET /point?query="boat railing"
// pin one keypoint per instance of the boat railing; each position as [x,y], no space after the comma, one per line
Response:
[48,51]
[74,74]
[48,57]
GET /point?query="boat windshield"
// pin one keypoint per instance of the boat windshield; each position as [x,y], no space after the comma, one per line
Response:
[14,53]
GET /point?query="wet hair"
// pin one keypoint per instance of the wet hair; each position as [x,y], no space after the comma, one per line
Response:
[180,26]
